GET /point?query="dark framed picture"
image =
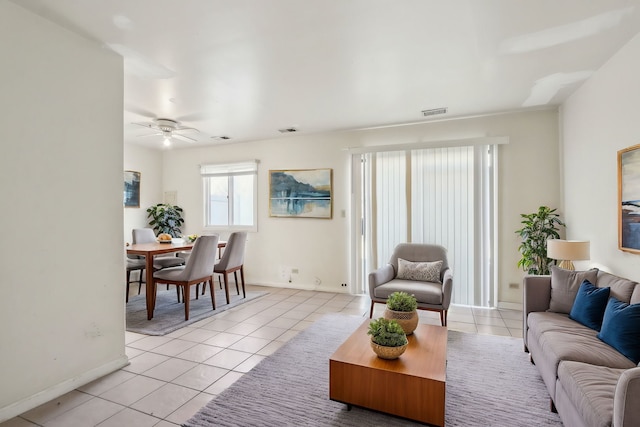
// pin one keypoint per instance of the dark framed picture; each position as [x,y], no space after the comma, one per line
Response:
[301,193]
[629,199]
[131,189]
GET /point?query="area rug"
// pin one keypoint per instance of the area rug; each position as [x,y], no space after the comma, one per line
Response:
[168,315]
[490,382]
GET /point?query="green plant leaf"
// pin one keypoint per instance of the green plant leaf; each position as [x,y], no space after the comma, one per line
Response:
[165,218]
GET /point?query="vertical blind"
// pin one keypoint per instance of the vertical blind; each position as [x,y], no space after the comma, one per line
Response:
[434,195]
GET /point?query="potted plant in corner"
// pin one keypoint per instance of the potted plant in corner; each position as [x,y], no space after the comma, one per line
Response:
[403,308]
[537,228]
[164,218]
[388,339]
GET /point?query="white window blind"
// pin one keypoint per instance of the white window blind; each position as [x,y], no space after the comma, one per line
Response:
[391,202]
[442,196]
[229,168]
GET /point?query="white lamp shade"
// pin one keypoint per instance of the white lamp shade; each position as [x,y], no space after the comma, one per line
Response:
[570,250]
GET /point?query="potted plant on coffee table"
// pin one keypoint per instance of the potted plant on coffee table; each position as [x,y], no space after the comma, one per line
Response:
[403,308]
[388,339]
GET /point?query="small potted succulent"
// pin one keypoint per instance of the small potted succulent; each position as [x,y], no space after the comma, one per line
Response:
[402,308]
[388,339]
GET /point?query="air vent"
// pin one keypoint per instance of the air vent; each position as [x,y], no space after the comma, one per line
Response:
[288,130]
[221,137]
[434,111]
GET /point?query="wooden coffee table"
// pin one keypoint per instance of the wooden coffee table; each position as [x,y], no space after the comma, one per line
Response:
[412,386]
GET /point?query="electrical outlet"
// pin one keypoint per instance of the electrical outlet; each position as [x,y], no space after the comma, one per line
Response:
[514,286]
[318,281]
[294,271]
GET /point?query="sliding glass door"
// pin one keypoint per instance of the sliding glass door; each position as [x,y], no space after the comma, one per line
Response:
[443,196]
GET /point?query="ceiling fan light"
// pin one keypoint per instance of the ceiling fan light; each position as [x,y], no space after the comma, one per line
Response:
[167,142]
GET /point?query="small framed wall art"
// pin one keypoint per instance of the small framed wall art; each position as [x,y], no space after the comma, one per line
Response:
[301,193]
[629,199]
[131,189]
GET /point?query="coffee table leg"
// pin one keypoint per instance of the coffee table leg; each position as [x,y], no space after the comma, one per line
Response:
[348,407]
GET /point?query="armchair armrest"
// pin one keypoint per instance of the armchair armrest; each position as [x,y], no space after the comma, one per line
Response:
[447,288]
[536,296]
[626,399]
[380,277]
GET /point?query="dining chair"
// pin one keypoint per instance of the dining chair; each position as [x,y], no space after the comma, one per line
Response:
[134,265]
[198,269]
[232,261]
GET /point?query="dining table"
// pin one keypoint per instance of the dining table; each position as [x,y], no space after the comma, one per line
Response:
[149,250]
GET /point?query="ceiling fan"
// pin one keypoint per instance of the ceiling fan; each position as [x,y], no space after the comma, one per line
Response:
[168,129]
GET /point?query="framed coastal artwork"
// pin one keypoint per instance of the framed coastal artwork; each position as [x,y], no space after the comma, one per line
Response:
[131,189]
[301,193]
[629,199]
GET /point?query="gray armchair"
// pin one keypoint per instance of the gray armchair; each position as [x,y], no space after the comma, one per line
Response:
[431,295]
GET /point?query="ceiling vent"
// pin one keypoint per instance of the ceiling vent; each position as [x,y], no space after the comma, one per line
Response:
[434,111]
[288,130]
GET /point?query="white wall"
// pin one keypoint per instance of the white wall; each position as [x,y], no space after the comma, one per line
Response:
[320,248]
[598,120]
[316,247]
[61,252]
[149,163]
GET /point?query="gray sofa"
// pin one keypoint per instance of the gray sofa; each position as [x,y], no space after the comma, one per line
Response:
[590,383]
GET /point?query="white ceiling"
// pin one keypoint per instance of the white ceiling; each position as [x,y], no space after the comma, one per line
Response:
[246,68]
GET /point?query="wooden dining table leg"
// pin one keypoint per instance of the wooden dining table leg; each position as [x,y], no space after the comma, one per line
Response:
[150,293]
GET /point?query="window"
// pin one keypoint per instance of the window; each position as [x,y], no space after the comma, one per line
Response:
[230,195]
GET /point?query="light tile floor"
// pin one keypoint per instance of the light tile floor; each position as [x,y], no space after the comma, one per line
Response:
[172,376]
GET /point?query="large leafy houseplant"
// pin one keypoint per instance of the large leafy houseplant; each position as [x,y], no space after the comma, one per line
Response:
[164,218]
[536,229]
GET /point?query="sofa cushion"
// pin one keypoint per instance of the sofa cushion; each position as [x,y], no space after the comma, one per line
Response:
[621,289]
[425,292]
[635,296]
[621,328]
[420,271]
[591,389]
[588,307]
[540,322]
[565,285]
[580,345]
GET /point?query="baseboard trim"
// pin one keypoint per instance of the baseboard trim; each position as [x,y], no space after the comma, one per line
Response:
[510,305]
[59,389]
[302,287]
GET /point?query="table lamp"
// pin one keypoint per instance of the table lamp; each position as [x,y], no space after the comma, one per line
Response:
[567,251]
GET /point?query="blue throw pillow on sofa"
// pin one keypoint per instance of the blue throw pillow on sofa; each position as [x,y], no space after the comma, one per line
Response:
[588,307]
[621,328]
